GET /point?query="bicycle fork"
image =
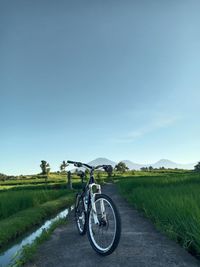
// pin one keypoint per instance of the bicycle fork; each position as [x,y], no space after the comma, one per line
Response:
[102,207]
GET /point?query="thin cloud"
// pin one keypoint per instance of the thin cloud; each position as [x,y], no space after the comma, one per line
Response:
[151,127]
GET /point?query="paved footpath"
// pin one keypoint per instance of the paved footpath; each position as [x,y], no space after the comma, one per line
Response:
[141,245]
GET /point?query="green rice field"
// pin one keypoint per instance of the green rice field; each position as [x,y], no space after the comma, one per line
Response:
[11,203]
[171,201]
[25,203]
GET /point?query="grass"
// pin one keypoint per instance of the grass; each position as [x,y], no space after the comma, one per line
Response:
[59,185]
[171,201]
[37,179]
[22,221]
[12,202]
[27,203]
[169,198]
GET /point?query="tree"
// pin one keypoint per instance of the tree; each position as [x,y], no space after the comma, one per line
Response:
[3,177]
[109,170]
[197,167]
[121,167]
[144,169]
[45,167]
[63,166]
[150,168]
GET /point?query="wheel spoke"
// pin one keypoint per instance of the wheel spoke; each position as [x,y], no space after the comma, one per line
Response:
[80,217]
[104,237]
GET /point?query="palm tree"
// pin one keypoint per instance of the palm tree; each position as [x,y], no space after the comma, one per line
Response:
[45,169]
[63,166]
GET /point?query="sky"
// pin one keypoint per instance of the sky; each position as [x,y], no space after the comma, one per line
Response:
[87,79]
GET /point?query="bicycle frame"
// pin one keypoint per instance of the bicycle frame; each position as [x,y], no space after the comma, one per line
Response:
[89,190]
[96,214]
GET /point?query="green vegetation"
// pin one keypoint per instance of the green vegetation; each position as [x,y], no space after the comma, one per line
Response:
[169,197]
[18,223]
[10,203]
[63,166]
[53,178]
[197,167]
[39,179]
[45,167]
[26,201]
[121,167]
[171,201]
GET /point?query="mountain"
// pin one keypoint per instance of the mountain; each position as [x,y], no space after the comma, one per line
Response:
[165,163]
[161,163]
[136,166]
[170,164]
[102,161]
[132,166]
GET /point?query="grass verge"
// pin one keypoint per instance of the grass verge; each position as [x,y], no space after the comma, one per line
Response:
[172,204]
[17,224]
[15,201]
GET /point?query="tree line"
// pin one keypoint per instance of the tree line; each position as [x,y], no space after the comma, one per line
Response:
[120,167]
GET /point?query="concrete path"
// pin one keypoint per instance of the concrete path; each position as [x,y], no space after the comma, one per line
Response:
[141,245]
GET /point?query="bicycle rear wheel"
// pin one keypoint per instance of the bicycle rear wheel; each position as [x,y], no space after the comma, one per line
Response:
[80,215]
[105,235]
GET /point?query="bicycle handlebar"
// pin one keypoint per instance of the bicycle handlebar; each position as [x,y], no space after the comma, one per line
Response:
[80,164]
[72,162]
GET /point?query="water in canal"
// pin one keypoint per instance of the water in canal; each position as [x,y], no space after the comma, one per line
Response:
[6,257]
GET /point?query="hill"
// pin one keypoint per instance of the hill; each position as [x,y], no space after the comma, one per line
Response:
[136,166]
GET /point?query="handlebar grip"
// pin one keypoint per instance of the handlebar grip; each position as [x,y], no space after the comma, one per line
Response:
[70,162]
[76,164]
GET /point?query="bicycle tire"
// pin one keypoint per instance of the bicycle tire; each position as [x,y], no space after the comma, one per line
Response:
[79,212]
[116,238]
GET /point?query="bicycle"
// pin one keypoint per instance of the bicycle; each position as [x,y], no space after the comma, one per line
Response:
[96,214]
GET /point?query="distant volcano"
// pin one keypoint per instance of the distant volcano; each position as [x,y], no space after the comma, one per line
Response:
[136,166]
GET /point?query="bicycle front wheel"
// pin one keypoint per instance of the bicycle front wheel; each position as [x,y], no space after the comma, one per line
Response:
[104,234]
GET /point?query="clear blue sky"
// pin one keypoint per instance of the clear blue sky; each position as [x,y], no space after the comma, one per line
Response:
[84,79]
